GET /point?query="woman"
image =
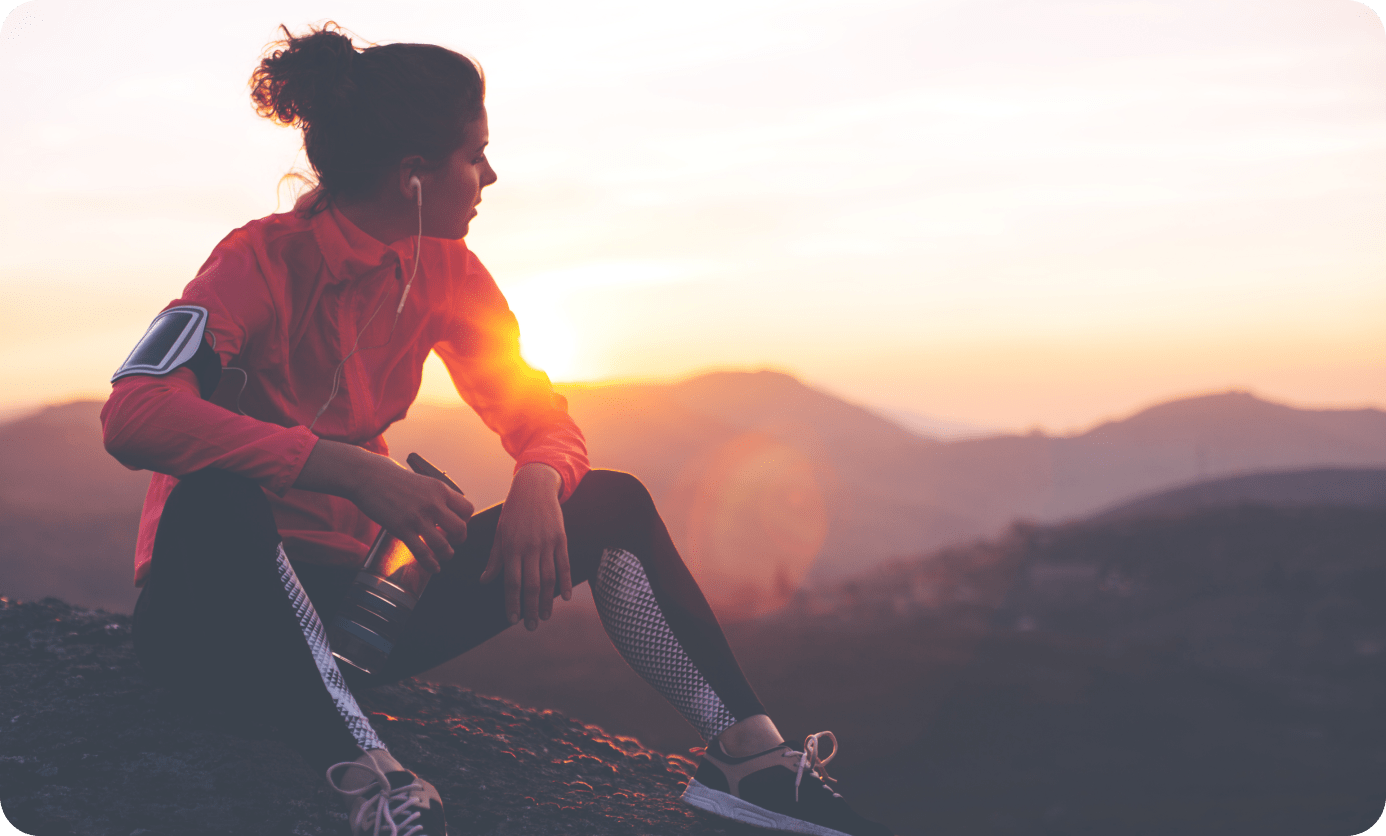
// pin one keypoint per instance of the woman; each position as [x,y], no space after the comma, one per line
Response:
[260,397]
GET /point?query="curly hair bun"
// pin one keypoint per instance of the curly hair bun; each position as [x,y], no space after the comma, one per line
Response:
[362,112]
[307,79]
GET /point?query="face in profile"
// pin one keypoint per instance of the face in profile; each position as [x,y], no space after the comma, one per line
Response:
[452,191]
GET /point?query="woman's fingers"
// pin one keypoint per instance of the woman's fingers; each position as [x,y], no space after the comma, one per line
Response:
[565,573]
[494,564]
[532,544]
[533,555]
[544,593]
[514,571]
[447,519]
[454,530]
[530,577]
[421,553]
[459,504]
[531,589]
[454,521]
[423,513]
[439,547]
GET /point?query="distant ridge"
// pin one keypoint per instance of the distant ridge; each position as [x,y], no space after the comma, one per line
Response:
[765,483]
[1339,487]
[935,428]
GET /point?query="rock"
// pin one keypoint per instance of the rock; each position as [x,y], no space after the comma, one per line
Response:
[88,746]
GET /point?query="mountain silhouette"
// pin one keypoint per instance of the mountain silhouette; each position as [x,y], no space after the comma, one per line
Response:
[766,484]
[1336,486]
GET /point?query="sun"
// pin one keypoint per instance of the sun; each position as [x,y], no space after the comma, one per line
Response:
[548,340]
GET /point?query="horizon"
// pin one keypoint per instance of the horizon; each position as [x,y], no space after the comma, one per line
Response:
[962,209]
[944,430]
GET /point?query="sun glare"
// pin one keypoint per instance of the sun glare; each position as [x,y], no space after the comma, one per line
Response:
[548,340]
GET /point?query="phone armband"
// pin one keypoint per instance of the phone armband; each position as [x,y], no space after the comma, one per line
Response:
[175,338]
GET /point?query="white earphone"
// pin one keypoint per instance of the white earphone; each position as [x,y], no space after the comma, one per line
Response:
[418,249]
[418,196]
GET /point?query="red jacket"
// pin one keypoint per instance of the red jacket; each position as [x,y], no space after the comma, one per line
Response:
[286,297]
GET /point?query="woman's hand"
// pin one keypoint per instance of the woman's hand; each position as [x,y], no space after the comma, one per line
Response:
[421,512]
[531,547]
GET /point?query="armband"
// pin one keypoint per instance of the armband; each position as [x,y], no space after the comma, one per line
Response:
[175,339]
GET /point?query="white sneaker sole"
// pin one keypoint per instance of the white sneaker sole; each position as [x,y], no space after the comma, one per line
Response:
[729,806]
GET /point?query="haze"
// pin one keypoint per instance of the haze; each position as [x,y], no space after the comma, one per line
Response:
[1006,214]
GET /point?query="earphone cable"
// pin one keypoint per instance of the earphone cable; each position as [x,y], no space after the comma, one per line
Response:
[355,346]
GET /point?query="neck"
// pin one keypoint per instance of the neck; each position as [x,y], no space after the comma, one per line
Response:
[382,218]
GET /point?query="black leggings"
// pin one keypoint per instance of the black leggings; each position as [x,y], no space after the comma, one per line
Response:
[223,619]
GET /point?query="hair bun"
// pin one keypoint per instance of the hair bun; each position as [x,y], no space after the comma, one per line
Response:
[362,112]
[305,78]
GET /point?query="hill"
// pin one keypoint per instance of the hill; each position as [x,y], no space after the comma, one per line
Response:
[765,483]
[1340,487]
[91,749]
[737,461]
[1198,439]
[1215,672]
[1207,673]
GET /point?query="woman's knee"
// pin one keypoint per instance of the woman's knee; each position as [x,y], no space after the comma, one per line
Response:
[217,506]
[213,489]
[619,489]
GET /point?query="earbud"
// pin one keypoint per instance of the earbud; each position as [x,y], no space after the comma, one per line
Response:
[418,194]
[355,346]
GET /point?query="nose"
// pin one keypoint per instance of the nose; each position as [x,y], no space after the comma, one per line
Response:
[488,176]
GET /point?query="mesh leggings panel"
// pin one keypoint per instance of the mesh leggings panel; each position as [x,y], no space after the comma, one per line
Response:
[632,618]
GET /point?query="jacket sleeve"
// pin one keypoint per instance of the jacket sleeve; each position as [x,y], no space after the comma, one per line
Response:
[481,350]
[163,424]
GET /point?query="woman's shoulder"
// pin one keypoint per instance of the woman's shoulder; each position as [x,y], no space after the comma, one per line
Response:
[454,259]
[263,246]
[278,228]
[450,273]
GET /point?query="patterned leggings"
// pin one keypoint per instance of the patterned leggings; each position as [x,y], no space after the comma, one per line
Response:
[225,619]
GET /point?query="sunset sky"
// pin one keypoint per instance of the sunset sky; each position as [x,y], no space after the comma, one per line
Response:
[1008,214]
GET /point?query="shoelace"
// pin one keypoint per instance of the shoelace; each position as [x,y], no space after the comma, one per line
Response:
[379,805]
[816,766]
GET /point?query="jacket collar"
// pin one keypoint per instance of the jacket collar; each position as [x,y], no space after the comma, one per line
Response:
[350,253]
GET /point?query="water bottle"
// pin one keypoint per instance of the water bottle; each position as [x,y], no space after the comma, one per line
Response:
[380,600]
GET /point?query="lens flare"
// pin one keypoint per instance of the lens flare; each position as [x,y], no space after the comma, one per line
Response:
[756,523]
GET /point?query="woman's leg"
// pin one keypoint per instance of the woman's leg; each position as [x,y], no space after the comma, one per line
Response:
[223,620]
[650,605]
[660,622]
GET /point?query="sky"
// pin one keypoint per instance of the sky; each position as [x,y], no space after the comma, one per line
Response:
[1007,214]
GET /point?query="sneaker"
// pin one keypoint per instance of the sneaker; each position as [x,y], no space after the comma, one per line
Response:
[409,806]
[780,789]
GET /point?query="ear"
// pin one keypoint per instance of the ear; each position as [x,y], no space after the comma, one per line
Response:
[409,168]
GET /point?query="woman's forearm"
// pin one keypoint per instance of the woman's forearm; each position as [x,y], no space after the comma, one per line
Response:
[537,477]
[163,424]
[422,512]
[340,469]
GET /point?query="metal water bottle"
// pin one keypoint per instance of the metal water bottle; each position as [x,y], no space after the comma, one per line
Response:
[382,597]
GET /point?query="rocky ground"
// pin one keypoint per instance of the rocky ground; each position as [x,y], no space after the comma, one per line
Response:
[87,746]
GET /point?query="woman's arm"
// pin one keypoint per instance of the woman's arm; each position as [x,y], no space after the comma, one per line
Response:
[424,514]
[482,353]
[531,547]
[163,424]
[481,350]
